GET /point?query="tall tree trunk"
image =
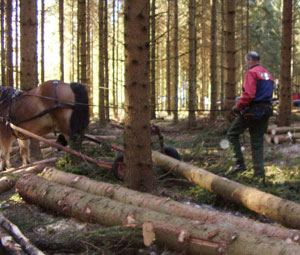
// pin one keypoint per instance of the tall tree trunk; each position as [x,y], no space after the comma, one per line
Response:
[168,80]
[61,39]
[213,62]
[82,40]
[285,93]
[222,56]
[247,25]
[192,64]
[113,44]
[153,69]
[3,69]
[9,46]
[137,140]
[106,61]
[101,64]
[29,75]
[28,18]
[230,54]
[175,65]
[89,63]
[42,40]
[72,45]
[17,43]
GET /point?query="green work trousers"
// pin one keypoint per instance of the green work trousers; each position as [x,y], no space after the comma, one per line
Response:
[257,128]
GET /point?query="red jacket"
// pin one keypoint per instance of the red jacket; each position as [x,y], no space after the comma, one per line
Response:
[258,87]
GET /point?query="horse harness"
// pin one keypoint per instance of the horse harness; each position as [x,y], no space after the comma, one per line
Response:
[17,93]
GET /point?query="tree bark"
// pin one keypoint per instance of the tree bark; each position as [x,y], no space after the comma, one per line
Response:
[101,64]
[192,65]
[230,88]
[3,69]
[137,137]
[17,43]
[166,205]
[42,41]
[176,233]
[213,62]
[168,64]
[285,88]
[153,59]
[9,45]
[281,210]
[174,89]
[61,39]
[29,63]
[82,40]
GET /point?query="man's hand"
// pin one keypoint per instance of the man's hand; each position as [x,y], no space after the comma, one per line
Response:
[234,110]
[233,113]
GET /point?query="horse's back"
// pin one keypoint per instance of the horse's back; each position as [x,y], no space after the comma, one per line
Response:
[72,117]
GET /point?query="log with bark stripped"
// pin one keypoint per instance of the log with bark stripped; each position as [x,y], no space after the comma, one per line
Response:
[166,205]
[279,139]
[8,243]
[18,236]
[284,130]
[276,208]
[193,237]
[269,138]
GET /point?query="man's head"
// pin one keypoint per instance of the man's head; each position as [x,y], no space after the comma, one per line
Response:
[252,58]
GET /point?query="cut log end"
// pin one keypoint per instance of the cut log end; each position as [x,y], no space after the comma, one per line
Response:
[148,233]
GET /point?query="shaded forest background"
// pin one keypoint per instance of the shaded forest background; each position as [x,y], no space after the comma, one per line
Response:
[197,50]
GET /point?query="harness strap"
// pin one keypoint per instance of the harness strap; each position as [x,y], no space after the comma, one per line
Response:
[42,113]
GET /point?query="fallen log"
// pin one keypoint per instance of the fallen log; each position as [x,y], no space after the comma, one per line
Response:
[15,232]
[166,205]
[278,139]
[284,130]
[295,135]
[9,178]
[10,246]
[269,138]
[276,208]
[176,233]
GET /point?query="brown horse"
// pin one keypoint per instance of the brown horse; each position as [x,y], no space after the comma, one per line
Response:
[54,105]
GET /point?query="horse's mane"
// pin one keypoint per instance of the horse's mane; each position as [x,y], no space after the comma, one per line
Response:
[7,94]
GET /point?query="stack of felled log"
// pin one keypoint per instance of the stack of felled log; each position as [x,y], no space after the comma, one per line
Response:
[278,135]
[174,225]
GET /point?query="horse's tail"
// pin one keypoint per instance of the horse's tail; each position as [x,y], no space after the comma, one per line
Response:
[80,115]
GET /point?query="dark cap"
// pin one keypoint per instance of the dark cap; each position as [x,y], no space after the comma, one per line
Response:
[253,55]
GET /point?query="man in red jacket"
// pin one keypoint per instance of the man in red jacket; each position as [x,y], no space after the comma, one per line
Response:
[252,111]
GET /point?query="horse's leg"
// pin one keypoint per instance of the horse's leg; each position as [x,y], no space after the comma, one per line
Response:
[5,154]
[24,150]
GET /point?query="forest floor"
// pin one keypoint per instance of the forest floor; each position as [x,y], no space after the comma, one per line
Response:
[200,146]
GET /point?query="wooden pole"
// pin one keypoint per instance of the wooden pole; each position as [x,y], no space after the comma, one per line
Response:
[63,148]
